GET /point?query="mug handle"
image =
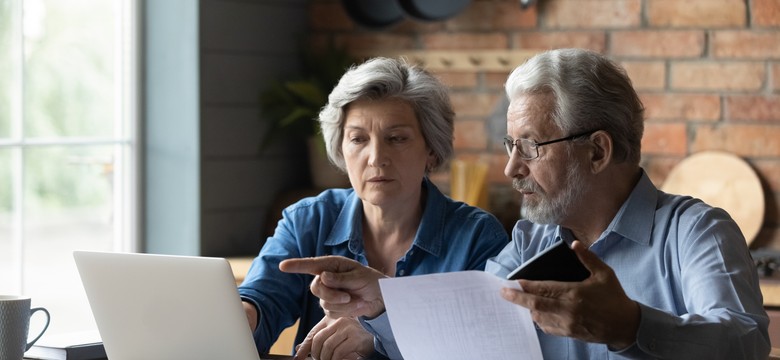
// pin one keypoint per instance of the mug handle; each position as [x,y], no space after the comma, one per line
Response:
[48,319]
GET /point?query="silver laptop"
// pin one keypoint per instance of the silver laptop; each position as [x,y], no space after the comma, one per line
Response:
[165,307]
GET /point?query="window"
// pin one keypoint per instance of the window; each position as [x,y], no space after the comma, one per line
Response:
[67,146]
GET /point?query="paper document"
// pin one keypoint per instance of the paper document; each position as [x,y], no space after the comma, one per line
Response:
[458,315]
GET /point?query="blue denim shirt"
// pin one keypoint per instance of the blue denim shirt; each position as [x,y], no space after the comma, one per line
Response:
[452,236]
[684,262]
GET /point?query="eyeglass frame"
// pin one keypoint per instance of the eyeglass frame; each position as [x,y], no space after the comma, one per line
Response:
[509,141]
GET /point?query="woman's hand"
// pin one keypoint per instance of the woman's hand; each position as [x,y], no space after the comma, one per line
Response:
[336,339]
[345,287]
[251,315]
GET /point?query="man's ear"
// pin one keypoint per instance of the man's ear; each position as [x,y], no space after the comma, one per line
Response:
[601,151]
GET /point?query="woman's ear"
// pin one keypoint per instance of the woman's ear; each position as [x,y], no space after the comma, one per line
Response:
[601,151]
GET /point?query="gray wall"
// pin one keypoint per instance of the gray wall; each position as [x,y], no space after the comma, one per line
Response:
[209,186]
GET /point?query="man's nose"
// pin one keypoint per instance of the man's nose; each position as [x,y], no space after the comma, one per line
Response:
[516,167]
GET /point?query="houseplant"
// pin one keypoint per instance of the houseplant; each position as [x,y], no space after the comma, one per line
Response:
[293,105]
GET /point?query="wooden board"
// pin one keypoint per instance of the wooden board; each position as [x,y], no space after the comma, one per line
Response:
[722,180]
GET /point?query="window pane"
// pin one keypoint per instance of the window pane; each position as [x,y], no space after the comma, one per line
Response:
[6,79]
[69,68]
[68,206]
[7,263]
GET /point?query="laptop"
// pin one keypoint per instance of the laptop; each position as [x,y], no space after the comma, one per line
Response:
[166,307]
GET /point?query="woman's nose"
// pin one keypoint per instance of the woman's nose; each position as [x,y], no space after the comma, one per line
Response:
[377,156]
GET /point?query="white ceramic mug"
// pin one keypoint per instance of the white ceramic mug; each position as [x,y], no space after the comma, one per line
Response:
[15,313]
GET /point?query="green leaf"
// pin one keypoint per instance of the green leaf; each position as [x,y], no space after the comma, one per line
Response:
[307,91]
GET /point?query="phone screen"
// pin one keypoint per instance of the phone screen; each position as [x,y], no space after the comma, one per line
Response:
[558,263]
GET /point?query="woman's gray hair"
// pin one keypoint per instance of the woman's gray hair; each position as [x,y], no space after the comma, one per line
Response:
[591,92]
[384,78]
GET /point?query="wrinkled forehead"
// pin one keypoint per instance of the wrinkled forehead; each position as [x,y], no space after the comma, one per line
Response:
[531,115]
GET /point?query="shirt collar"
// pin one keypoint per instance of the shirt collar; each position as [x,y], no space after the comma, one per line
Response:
[636,216]
[349,223]
[634,220]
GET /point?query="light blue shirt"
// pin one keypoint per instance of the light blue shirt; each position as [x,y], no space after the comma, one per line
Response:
[687,265]
[452,236]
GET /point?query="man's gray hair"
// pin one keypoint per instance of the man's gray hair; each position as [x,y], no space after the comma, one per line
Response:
[591,92]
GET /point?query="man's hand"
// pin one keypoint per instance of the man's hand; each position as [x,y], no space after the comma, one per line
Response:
[594,310]
[345,287]
[336,339]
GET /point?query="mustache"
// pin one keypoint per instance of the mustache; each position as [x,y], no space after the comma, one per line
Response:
[526,185]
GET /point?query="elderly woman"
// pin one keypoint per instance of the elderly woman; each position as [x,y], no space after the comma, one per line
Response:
[387,125]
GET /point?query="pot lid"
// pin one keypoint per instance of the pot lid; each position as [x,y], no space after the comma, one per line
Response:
[722,180]
[374,13]
[433,10]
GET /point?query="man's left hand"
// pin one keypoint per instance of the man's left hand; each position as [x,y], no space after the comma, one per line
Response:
[594,310]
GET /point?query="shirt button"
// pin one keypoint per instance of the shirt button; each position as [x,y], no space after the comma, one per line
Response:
[653,345]
[411,252]
[401,272]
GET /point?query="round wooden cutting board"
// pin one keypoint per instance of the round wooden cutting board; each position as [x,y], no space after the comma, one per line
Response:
[722,180]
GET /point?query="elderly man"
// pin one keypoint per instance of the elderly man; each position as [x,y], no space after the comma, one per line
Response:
[671,277]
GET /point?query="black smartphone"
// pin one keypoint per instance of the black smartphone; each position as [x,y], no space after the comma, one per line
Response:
[558,262]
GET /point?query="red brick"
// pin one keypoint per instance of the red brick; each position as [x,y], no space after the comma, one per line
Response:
[769,173]
[717,76]
[665,138]
[409,25]
[593,40]
[775,76]
[753,108]
[659,167]
[465,41]
[742,140]
[696,13]
[329,16]
[495,80]
[646,75]
[496,170]
[590,14]
[375,43]
[658,44]
[746,44]
[458,80]
[468,104]
[670,106]
[765,13]
[470,134]
[493,15]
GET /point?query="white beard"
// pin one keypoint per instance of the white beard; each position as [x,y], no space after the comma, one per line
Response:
[551,210]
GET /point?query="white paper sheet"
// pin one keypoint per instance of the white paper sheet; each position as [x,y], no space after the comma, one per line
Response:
[458,315]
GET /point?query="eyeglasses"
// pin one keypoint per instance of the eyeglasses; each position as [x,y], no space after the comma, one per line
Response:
[529,149]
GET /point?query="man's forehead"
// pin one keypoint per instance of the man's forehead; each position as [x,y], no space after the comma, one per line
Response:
[530,114]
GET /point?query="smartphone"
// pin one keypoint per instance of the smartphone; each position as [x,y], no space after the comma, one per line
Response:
[558,263]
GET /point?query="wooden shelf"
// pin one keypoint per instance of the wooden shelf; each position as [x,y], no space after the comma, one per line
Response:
[461,60]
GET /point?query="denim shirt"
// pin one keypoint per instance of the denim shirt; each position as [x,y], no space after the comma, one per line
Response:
[685,263]
[452,236]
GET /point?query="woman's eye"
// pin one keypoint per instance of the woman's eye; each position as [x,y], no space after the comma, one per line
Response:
[356,139]
[397,139]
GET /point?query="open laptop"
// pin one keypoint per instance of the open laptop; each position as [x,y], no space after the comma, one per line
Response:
[166,307]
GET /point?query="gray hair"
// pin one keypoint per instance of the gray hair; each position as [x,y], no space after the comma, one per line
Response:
[384,78]
[591,92]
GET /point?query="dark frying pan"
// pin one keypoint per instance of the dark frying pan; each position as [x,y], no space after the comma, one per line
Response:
[374,13]
[433,10]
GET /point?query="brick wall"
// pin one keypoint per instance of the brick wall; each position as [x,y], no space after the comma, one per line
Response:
[708,72]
